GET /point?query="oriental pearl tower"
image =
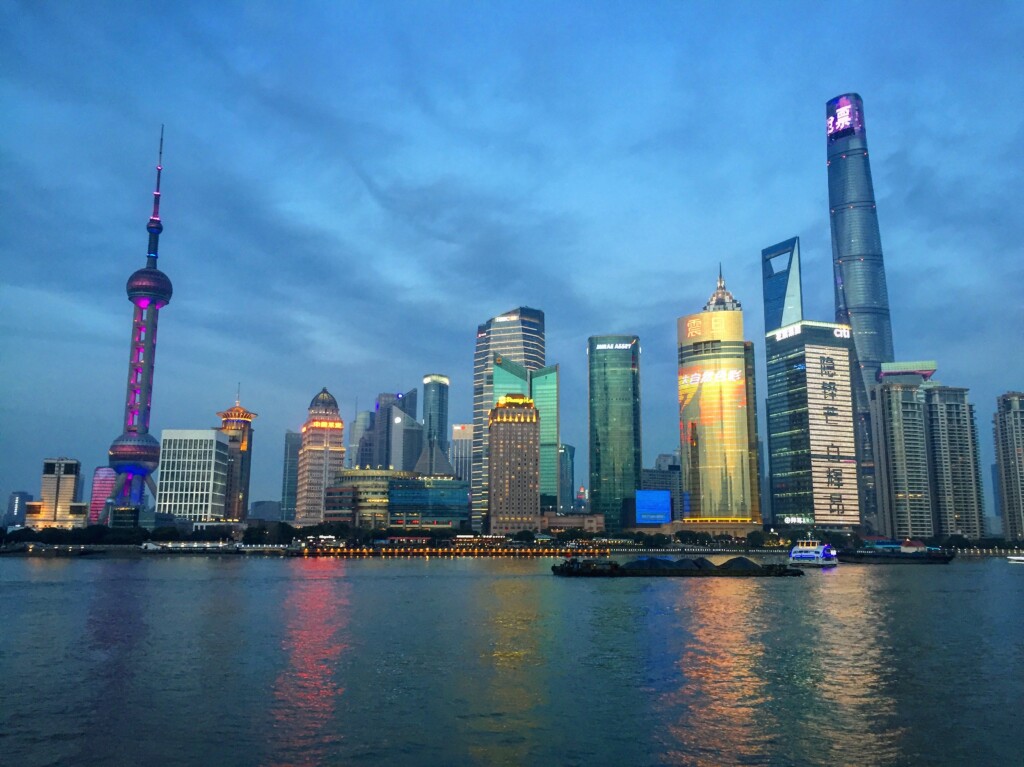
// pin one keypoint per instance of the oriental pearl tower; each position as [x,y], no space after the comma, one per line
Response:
[135,454]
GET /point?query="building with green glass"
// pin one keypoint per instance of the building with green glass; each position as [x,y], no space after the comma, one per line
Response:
[614,419]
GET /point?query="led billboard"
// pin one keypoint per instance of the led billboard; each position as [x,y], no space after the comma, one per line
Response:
[653,507]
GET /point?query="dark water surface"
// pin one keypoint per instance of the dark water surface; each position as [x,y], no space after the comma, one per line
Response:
[252,661]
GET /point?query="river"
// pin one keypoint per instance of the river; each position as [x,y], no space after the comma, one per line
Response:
[269,661]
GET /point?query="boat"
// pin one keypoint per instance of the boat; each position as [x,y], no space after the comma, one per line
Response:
[737,567]
[1015,560]
[895,553]
[812,553]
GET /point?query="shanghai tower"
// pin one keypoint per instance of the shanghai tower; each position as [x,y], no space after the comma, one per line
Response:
[135,454]
[862,299]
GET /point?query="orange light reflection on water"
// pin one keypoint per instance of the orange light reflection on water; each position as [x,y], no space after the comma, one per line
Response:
[305,692]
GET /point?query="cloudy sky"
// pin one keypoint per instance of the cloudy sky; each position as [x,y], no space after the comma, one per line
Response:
[350,188]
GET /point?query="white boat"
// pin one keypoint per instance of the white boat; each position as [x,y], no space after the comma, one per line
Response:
[1015,560]
[812,553]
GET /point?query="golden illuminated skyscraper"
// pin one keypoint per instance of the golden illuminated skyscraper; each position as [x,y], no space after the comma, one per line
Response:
[321,458]
[236,423]
[718,418]
[514,466]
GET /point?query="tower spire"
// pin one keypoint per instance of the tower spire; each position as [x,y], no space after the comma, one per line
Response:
[155,226]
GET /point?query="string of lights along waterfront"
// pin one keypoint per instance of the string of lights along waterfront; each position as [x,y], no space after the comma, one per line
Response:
[856,441]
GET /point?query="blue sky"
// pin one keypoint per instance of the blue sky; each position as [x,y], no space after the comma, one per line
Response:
[350,188]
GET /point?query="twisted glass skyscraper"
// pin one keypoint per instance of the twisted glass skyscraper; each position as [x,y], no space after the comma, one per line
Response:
[862,299]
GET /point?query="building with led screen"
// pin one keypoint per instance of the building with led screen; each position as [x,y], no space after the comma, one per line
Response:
[321,457]
[517,335]
[718,418]
[861,294]
[614,418]
[811,447]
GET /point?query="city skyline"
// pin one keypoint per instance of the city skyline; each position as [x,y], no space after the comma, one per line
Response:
[592,208]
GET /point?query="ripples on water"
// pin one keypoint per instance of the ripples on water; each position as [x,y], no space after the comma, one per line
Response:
[439,662]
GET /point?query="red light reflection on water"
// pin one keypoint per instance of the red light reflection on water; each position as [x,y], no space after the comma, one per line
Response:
[306,692]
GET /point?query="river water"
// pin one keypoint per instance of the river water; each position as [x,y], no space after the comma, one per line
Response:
[267,661]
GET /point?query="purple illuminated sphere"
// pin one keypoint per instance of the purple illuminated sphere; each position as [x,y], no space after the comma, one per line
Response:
[152,284]
[134,453]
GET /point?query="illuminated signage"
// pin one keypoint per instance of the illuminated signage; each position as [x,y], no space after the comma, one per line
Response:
[841,332]
[711,376]
[506,318]
[653,507]
[843,118]
[694,327]
[613,346]
[792,330]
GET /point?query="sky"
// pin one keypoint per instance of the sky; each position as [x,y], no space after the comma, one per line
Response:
[350,188]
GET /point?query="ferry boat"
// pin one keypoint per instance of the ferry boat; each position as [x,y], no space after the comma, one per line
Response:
[882,552]
[1015,560]
[812,553]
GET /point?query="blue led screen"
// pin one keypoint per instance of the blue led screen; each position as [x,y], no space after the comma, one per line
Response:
[653,507]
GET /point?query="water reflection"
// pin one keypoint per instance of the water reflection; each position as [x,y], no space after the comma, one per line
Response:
[723,697]
[306,693]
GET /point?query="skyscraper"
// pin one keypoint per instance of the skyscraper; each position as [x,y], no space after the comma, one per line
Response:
[321,457]
[236,424]
[460,450]
[616,461]
[1008,430]
[435,410]
[363,423]
[194,474]
[389,406]
[566,478]
[718,418]
[783,289]
[104,480]
[135,454]
[517,335]
[406,440]
[812,455]
[16,506]
[926,453]
[290,475]
[514,467]
[862,298]
[59,503]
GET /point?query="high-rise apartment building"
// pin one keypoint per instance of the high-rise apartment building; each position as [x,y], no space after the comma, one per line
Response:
[435,410]
[718,418]
[514,466]
[1008,430]
[290,475]
[236,424]
[517,335]
[193,477]
[460,450]
[104,480]
[926,455]
[861,294]
[566,478]
[59,503]
[613,364]
[136,453]
[321,457]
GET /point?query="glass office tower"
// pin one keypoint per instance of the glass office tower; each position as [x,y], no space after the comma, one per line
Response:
[718,417]
[519,336]
[862,298]
[615,438]
[783,290]
[435,410]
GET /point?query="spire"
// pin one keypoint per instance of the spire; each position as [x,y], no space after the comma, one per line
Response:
[154,226]
[238,394]
[721,299]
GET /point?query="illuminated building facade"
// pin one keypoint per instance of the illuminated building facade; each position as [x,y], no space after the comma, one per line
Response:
[435,410]
[104,480]
[926,453]
[861,293]
[17,503]
[428,502]
[1009,474]
[193,478]
[718,418]
[517,335]
[514,467]
[321,457]
[613,364]
[811,445]
[59,503]
[236,425]
[290,475]
[359,497]
[460,450]
[135,454]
